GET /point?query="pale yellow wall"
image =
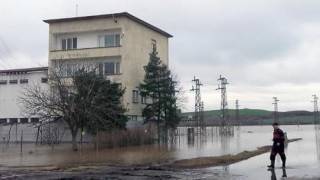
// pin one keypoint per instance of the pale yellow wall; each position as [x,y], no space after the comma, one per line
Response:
[136,48]
[134,51]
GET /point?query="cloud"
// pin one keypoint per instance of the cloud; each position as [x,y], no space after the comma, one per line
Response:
[264,48]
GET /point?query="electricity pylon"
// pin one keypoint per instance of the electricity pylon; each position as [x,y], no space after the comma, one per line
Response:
[275,112]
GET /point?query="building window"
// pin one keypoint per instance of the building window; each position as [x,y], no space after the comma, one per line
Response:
[71,69]
[135,96]
[143,98]
[34,120]
[69,43]
[3,121]
[13,81]
[13,120]
[3,82]
[23,120]
[68,70]
[109,40]
[134,118]
[109,68]
[23,81]
[44,80]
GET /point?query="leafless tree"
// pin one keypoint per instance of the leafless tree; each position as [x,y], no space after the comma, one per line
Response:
[52,103]
[85,99]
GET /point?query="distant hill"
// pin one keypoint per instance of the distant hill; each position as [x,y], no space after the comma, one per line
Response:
[257,117]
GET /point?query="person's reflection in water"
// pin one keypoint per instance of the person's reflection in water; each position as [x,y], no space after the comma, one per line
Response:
[274,176]
[284,173]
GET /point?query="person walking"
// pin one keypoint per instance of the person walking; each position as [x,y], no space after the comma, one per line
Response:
[278,146]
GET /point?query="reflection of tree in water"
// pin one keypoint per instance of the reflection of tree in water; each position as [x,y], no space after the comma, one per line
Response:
[317,132]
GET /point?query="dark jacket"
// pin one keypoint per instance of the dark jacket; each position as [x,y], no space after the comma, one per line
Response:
[278,137]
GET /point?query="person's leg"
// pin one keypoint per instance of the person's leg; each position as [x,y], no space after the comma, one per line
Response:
[272,158]
[283,158]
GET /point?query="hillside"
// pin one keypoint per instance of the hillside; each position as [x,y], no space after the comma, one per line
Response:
[258,117]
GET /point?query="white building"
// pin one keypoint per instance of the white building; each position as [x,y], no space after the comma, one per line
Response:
[12,84]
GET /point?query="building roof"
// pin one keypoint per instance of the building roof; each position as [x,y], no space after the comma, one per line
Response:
[23,70]
[122,14]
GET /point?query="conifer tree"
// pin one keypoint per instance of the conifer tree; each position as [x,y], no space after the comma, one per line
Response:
[159,87]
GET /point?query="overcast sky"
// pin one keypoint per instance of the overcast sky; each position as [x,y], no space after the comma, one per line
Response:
[264,48]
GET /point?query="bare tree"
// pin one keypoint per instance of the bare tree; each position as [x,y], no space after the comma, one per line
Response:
[83,100]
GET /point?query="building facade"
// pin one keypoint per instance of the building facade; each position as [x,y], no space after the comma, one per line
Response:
[12,84]
[115,45]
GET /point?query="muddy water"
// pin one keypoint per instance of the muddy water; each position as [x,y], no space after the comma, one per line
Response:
[247,138]
[303,159]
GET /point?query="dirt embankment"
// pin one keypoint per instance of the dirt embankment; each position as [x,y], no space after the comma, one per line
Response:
[221,160]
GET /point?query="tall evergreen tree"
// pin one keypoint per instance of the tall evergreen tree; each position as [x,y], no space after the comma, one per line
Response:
[160,88]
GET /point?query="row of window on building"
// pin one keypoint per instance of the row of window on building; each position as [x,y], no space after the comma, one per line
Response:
[110,40]
[20,81]
[106,68]
[18,120]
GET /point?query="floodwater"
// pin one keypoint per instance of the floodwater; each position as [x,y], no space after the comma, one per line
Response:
[303,157]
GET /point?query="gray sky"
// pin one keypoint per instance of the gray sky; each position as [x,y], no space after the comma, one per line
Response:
[264,48]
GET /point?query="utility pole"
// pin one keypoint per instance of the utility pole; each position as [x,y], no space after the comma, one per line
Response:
[198,103]
[275,112]
[315,106]
[237,114]
[224,115]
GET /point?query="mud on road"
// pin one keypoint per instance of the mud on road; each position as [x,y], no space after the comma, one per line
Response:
[105,172]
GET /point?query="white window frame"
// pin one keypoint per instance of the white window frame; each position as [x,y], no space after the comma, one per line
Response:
[135,96]
[143,98]
[116,67]
[116,38]
[72,46]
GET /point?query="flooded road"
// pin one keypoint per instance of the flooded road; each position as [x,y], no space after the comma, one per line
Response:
[303,157]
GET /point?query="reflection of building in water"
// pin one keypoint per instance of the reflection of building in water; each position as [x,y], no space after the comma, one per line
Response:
[317,139]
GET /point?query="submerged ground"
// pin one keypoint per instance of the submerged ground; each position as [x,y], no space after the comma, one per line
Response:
[150,162]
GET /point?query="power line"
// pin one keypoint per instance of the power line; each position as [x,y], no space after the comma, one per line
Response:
[15,61]
[5,62]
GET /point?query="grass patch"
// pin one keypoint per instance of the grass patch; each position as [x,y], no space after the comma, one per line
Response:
[245,112]
[221,160]
[292,120]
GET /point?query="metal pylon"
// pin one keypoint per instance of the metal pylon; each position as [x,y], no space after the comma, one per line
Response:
[316,111]
[225,126]
[198,106]
[237,115]
[275,112]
